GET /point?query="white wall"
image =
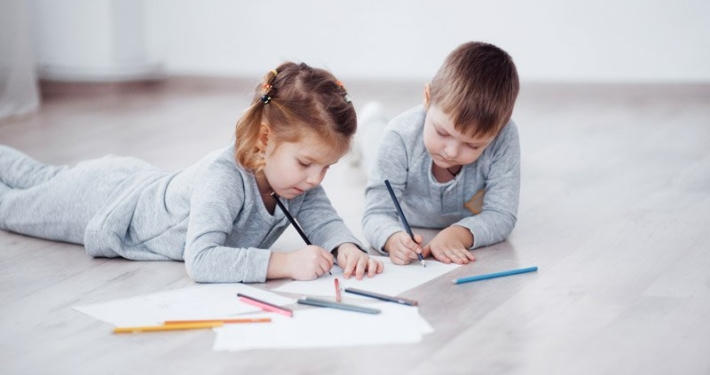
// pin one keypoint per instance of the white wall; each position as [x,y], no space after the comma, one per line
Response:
[551,40]
[92,40]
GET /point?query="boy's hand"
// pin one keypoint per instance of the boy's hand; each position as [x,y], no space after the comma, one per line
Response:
[451,245]
[304,264]
[402,249]
[353,260]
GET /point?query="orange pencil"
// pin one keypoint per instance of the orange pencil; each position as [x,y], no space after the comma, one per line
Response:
[337,290]
[171,327]
[225,321]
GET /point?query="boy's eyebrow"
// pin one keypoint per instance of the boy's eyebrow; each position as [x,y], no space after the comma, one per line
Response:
[475,142]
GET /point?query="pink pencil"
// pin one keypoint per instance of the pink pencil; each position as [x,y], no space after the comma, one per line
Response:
[265,305]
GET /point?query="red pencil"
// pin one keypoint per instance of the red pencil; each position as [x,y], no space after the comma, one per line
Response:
[337,290]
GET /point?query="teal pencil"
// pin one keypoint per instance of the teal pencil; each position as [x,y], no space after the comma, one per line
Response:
[493,275]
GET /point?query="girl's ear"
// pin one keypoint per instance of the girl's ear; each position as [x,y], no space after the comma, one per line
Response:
[264,134]
[426,96]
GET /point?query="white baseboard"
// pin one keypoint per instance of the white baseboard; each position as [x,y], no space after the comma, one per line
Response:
[101,74]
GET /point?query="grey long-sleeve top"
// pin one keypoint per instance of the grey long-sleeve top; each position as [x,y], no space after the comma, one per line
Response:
[211,216]
[483,197]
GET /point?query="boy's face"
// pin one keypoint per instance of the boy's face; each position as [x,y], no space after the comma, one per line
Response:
[446,145]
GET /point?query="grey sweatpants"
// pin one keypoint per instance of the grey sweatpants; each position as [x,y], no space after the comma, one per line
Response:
[51,202]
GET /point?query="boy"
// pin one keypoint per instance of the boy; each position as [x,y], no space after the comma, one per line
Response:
[454,163]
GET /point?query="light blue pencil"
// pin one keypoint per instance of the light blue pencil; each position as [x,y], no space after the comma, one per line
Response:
[493,275]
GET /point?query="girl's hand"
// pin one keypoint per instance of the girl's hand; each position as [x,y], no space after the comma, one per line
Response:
[304,264]
[451,245]
[352,259]
[402,249]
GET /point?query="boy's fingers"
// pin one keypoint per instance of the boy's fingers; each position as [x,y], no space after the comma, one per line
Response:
[401,257]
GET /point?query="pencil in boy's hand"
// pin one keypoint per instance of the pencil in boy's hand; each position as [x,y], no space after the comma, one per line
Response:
[292,221]
[404,219]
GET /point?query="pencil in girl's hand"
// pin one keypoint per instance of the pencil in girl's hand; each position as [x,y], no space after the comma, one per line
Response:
[292,221]
[404,219]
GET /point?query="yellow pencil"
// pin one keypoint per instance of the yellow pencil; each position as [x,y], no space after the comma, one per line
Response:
[225,321]
[167,327]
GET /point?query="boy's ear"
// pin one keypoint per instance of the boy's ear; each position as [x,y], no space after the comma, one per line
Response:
[426,96]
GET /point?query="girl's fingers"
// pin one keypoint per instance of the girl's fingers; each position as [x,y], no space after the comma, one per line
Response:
[349,268]
[360,268]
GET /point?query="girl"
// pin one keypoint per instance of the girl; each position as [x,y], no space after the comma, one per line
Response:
[219,215]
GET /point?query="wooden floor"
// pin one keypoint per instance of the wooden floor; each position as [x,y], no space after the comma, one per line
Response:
[615,212]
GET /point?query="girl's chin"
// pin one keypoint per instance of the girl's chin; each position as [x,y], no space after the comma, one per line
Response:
[290,193]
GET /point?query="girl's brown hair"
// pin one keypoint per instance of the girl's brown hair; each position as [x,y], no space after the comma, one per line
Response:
[477,86]
[293,98]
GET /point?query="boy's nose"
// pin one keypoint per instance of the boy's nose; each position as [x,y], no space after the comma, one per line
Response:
[451,150]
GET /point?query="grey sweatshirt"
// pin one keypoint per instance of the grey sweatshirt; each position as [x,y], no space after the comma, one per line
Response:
[483,197]
[210,214]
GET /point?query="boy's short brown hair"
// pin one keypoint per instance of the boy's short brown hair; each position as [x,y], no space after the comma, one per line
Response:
[477,86]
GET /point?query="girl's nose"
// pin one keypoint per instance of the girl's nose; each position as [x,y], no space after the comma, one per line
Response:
[316,177]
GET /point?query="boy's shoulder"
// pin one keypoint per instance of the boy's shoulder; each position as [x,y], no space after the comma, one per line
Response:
[409,123]
[509,133]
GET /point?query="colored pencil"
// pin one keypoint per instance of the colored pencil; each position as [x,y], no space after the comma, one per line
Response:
[336,305]
[225,321]
[404,219]
[338,296]
[382,297]
[493,275]
[293,221]
[167,327]
[265,305]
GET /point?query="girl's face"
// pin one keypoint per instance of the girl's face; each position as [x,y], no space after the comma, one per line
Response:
[292,168]
[446,145]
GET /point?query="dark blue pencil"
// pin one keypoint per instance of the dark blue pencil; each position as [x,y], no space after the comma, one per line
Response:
[404,219]
[493,275]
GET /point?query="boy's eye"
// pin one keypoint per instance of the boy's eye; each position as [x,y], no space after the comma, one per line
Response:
[303,164]
[440,133]
[473,147]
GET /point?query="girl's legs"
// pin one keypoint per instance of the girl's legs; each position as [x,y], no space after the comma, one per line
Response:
[19,171]
[51,202]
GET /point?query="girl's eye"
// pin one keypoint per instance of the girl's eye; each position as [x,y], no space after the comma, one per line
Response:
[473,147]
[302,164]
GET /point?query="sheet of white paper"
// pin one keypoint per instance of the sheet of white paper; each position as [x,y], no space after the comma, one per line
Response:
[393,281]
[324,327]
[209,301]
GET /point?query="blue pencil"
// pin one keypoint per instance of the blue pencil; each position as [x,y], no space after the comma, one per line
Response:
[493,275]
[404,219]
